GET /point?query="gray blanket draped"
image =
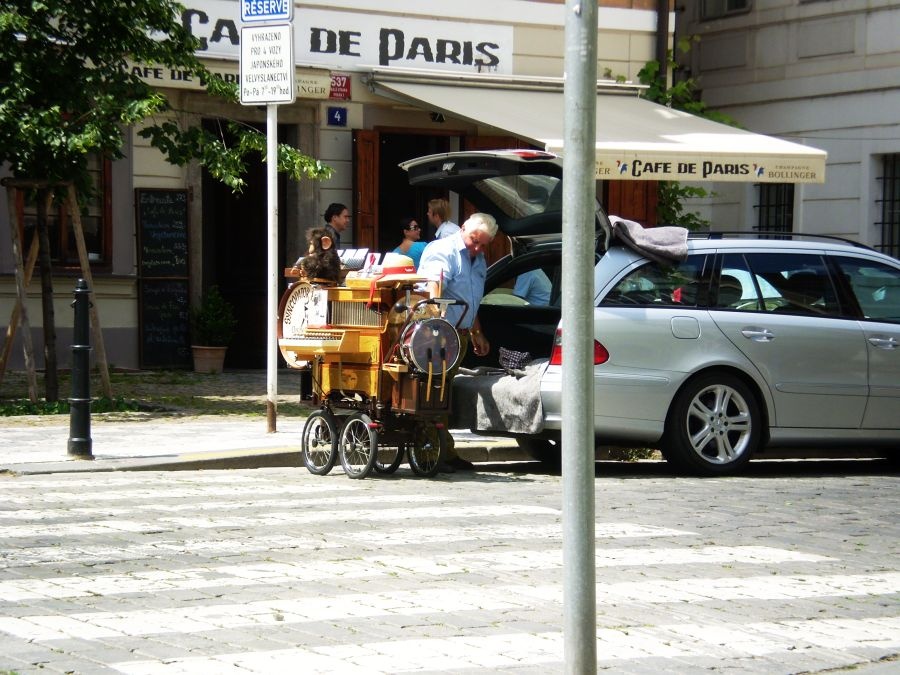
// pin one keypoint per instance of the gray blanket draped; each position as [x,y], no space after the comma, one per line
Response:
[662,244]
[499,400]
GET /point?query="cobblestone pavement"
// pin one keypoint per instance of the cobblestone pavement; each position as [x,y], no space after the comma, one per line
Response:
[792,568]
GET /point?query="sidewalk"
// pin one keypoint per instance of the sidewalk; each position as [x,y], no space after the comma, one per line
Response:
[191,437]
[205,442]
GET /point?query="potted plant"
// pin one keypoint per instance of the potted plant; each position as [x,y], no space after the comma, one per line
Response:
[212,328]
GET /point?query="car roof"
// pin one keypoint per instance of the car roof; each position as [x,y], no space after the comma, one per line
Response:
[786,241]
[522,189]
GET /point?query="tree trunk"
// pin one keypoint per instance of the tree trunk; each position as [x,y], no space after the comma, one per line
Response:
[51,379]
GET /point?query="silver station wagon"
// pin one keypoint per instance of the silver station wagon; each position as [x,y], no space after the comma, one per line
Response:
[748,345]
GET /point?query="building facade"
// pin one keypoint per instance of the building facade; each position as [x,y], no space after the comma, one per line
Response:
[159,233]
[826,74]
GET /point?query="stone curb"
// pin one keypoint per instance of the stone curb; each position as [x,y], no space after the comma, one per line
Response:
[247,458]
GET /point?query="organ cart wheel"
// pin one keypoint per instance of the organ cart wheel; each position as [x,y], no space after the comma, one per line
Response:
[425,450]
[388,458]
[358,445]
[319,442]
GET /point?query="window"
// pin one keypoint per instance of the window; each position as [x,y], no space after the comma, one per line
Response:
[890,205]
[654,284]
[96,217]
[876,287]
[775,209]
[714,9]
[738,288]
[536,286]
[522,195]
[791,283]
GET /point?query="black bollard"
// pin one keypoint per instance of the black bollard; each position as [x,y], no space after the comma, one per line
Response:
[80,402]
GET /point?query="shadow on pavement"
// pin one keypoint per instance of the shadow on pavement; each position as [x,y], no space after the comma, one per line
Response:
[756,469]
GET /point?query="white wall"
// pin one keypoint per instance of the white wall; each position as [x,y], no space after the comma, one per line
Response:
[825,74]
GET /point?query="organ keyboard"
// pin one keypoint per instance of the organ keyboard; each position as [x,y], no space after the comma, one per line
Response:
[321,341]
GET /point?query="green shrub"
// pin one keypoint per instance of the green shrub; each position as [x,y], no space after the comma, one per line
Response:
[213,321]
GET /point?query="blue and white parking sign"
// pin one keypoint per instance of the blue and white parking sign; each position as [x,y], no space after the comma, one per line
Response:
[267,10]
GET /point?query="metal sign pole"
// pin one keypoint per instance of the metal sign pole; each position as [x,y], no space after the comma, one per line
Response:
[579,582]
[267,75]
[272,285]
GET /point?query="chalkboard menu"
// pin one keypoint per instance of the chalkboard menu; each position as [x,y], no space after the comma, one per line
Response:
[165,332]
[162,219]
[163,299]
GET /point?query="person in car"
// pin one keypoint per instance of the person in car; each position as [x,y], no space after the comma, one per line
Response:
[411,246]
[534,287]
[456,268]
[439,214]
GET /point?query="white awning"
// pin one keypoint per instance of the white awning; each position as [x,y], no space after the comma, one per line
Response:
[636,139]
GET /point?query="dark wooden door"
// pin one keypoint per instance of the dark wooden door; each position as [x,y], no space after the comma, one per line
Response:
[365,188]
[632,199]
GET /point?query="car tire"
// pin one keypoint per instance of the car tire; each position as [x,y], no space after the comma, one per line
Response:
[547,451]
[714,426]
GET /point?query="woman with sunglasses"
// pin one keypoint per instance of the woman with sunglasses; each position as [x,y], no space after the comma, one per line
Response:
[411,246]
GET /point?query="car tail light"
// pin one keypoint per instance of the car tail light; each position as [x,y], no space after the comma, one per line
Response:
[600,353]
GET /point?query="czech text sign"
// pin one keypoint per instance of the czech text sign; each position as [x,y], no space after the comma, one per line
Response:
[267,64]
[267,10]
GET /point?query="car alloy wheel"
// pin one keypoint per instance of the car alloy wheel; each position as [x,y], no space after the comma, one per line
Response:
[714,425]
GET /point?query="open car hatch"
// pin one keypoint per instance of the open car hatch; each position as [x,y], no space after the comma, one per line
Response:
[522,189]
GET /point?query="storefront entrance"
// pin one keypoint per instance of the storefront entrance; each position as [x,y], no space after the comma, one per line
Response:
[235,253]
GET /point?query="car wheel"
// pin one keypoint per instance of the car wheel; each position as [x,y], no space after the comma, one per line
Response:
[547,451]
[714,426]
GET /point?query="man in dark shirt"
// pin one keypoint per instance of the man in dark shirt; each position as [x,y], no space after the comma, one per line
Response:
[337,218]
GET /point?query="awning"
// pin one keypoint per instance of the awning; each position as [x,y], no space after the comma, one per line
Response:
[636,139]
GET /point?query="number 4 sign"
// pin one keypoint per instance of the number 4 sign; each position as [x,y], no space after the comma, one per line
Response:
[337,116]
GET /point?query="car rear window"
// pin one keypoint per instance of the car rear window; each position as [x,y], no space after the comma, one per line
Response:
[519,196]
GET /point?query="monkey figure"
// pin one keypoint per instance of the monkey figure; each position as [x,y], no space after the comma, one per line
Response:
[322,261]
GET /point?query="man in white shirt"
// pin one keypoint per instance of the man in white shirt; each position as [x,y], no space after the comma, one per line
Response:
[439,213]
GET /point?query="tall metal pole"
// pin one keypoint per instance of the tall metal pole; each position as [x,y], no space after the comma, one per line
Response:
[272,285]
[579,584]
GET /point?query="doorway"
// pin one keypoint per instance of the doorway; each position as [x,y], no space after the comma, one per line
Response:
[398,199]
[235,251]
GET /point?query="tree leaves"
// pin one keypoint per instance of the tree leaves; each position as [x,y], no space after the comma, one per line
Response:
[66,90]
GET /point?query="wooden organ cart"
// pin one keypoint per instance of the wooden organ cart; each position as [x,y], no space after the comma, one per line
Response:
[380,357]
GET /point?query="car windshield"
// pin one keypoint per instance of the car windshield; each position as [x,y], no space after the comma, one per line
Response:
[519,196]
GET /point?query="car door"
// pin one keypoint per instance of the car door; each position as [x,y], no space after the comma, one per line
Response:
[787,320]
[876,288]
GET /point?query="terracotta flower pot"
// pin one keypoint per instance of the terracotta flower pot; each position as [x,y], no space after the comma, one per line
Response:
[208,359]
